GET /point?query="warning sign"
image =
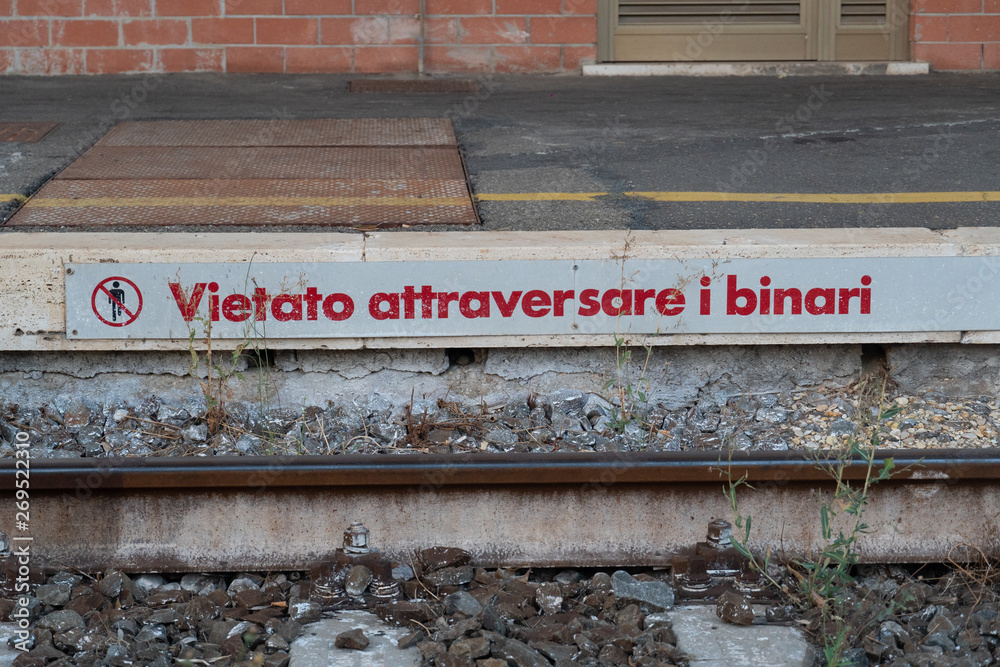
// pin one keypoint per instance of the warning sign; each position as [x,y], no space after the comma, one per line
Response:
[543,297]
[116,301]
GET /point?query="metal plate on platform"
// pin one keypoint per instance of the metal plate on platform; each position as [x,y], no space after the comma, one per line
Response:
[315,132]
[356,203]
[306,162]
[407,86]
[26,133]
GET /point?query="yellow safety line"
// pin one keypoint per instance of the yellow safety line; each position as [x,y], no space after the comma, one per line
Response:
[791,197]
[133,202]
[542,196]
[804,198]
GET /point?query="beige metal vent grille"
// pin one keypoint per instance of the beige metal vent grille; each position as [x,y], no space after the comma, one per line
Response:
[865,12]
[730,11]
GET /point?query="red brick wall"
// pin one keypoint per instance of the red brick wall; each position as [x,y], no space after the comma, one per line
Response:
[105,36]
[956,34]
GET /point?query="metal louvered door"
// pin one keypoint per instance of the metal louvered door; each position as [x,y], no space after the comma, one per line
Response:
[748,30]
[867,30]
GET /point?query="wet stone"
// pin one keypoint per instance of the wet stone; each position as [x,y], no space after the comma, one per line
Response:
[305,611]
[450,576]
[463,603]
[733,608]
[357,580]
[842,427]
[568,401]
[471,647]
[61,621]
[352,639]
[654,593]
[112,583]
[436,558]
[519,654]
[772,415]
[54,595]
[452,660]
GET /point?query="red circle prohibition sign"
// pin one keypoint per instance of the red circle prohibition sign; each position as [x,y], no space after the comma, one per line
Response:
[116,305]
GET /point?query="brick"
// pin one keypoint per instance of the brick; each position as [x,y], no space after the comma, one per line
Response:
[949,56]
[155,31]
[529,6]
[191,60]
[50,8]
[317,7]
[574,57]
[273,30]
[365,30]
[404,30]
[386,7]
[118,8]
[527,58]
[222,31]
[458,59]
[6,61]
[580,7]
[559,30]
[119,61]
[255,59]
[52,61]
[188,8]
[947,6]
[338,31]
[85,33]
[974,28]
[24,33]
[373,59]
[930,28]
[493,30]
[991,6]
[437,7]
[318,59]
[243,7]
[7,9]
[440,30]
[991,56]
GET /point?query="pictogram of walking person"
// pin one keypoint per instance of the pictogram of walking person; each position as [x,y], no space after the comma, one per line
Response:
[117,299]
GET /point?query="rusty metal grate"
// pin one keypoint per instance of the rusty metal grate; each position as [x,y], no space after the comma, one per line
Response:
[408,86]
[27,133]
[355,203]
[335,172]
[318,132]
[307,162]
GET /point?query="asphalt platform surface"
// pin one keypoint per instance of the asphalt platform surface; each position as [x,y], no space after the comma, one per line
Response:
[651,153]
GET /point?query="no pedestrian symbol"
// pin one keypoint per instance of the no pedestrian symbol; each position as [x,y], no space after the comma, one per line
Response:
[116,301]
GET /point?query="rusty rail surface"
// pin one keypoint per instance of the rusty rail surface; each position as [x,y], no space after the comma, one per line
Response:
[263,513]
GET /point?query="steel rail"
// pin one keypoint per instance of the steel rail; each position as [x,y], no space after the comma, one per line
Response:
[490,469]
[611,509]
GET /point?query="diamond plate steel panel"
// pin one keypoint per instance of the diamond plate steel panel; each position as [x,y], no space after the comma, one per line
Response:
[318,132]
[361,203]
[27,133]
[406,86]
[198,162]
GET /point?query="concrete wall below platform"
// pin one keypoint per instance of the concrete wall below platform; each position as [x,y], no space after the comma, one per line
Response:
[677,377]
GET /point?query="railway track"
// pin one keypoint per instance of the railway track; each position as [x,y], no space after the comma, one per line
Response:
[286,513]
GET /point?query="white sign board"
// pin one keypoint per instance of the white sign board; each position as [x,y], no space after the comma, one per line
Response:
[453,298]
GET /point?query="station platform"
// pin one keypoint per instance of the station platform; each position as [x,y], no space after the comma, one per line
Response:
[541,153]
[810,188]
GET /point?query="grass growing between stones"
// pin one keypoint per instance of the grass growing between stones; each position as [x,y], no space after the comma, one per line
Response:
[250,350]
[824,588]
